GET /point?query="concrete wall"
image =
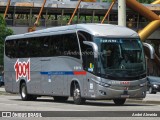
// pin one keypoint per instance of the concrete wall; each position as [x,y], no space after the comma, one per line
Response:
[155,35]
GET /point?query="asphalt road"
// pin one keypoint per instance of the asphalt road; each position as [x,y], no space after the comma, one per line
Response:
[14,103]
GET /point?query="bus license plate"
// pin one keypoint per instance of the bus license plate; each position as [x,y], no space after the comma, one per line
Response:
[124,96]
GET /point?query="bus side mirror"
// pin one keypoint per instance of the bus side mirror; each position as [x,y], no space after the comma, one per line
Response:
[150,49]
[94,46]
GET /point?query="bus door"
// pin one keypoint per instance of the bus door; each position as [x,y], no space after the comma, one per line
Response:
[88,61]
[89,66]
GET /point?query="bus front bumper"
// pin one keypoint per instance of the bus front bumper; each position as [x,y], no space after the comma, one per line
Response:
[122,92]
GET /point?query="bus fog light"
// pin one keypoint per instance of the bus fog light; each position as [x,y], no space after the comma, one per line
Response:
[102,92]
[143,84]
[104,84]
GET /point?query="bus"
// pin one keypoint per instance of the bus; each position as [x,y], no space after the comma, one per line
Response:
[83,61]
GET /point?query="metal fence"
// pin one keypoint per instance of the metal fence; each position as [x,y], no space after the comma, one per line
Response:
[51,22]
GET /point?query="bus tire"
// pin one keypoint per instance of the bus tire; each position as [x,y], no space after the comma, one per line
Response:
[23,92]
[60,98]
[151,91]
[77,95]
[119,101]
[33,97]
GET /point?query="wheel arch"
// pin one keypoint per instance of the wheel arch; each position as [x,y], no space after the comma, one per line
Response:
[73,82]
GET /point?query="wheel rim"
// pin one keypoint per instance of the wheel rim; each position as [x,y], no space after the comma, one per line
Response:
[23,92]
[76,93]
[150,90]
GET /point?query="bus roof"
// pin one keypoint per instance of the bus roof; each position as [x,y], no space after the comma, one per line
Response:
[107,30]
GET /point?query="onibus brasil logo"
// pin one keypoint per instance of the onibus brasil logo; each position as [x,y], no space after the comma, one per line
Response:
[22,69]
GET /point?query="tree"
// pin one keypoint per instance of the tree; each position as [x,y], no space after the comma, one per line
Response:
[4,32]
[141,1]
[146,1]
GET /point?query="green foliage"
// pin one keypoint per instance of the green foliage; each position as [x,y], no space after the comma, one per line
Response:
[146,1]
[141,1]
[4,32]
[107,0]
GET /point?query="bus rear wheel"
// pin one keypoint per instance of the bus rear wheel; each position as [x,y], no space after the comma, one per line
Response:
[60,98]
[77,95]
[24,95]
[119,101]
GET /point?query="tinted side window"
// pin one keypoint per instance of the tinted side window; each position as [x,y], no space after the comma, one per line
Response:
[87,52]
[46,46]
[85,35]
[21,48]
[56,43]
[35,47]
[10,48]
[89,59]
[71,46]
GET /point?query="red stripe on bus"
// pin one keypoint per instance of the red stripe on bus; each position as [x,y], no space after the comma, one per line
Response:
[79,72]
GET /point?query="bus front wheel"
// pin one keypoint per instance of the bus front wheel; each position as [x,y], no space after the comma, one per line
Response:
[77,95]
[119,101]
[151,91]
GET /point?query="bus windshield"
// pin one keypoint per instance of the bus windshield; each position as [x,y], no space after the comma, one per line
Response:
[120,58]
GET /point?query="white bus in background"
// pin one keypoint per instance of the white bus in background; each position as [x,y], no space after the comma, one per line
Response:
[83,61]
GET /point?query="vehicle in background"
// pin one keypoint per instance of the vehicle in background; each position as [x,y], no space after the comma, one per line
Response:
[153,85]
[1,81]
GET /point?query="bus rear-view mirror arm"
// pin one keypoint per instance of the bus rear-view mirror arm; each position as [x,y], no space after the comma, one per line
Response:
[151,49]
[94,46]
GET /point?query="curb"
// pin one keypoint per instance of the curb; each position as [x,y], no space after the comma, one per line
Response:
[2,89]
[143,101]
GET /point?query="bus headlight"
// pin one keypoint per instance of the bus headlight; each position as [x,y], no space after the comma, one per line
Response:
[155,86]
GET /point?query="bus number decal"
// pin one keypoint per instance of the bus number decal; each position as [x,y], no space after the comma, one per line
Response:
[22,69]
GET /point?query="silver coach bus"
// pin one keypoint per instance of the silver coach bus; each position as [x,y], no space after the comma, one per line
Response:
[86,61]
